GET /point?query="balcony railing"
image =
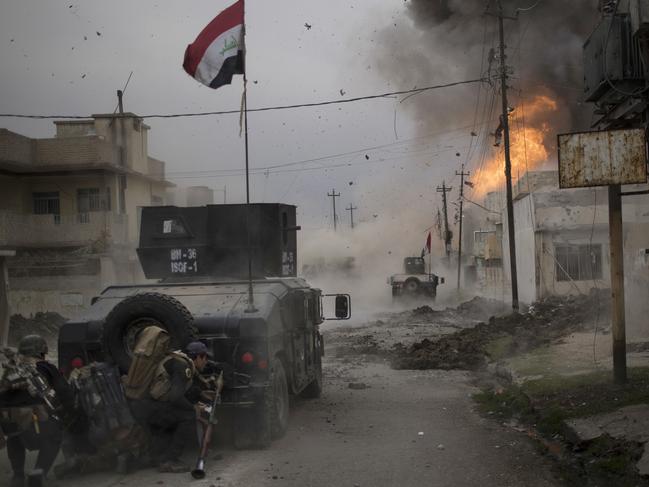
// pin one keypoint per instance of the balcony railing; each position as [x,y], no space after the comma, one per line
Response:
[93,228]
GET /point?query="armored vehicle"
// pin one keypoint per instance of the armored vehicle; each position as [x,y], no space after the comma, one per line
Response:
[268,349]
[414,280]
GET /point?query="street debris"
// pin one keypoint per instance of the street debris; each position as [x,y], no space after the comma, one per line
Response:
[357,386]
[500,337]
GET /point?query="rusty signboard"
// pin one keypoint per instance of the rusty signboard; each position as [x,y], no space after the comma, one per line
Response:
[602,158]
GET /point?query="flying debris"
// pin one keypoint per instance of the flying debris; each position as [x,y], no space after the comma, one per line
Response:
[473,134]
[457,154]
[308,26]
[351,183]
[98,33]
[83,76]
[469,184]
[342,93]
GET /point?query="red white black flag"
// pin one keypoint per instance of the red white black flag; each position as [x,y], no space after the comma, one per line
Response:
[218,52]
[426,249]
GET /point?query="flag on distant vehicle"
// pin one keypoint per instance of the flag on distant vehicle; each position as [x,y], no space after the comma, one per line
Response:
[426,249]
[218,52]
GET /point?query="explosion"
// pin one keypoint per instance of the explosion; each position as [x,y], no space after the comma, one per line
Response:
[529,141]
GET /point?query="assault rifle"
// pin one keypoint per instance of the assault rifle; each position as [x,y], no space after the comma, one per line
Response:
[199,471]
[18,375]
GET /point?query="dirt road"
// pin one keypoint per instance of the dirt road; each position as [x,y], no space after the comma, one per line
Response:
[393,428]
[373,426]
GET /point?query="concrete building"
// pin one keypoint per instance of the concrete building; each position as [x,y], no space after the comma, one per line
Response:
[69,207]
[562,242]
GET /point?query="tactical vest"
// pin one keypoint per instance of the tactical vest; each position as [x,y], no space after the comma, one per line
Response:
[161,384]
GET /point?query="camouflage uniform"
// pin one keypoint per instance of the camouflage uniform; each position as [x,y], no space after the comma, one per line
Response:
[26,423]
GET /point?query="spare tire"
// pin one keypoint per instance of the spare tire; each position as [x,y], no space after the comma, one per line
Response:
[131,315]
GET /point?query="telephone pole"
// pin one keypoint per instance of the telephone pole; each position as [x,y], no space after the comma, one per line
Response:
[508,163]
[459,246]
[447,233]
[333,195]
[351,211]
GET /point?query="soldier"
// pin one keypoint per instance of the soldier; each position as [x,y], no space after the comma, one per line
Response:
[36,398]
[167,414]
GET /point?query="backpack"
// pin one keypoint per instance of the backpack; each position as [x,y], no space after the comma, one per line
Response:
[151,348]
[100,395]
[161,383]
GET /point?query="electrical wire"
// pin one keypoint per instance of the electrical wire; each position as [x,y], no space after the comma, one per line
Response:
[262,109]
[344,154]
[480,206]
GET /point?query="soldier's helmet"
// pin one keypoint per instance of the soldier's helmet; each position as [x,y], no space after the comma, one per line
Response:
[32,346]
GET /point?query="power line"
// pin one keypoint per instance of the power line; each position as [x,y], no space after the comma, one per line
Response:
[263,109]
[208,173]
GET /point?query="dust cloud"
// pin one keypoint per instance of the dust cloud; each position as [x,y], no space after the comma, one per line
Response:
[359,263]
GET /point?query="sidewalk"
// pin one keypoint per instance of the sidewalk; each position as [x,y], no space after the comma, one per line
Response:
[565,392]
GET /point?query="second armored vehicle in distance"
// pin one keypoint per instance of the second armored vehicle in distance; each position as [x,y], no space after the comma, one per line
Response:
[414,280]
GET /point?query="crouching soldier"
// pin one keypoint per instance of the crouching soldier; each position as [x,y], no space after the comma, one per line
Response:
[157,383]
[34,397]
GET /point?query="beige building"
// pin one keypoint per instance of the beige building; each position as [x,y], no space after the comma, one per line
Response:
[69,207]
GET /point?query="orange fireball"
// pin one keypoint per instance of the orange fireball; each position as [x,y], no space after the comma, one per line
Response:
[528,133]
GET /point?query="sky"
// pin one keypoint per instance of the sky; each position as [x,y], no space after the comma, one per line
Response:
[69,58]
[384,156]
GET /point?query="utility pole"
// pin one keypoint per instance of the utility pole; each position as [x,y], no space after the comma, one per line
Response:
[508,163]
[459,246]
[618,323]
[351,210]
[333,195]
[447,234]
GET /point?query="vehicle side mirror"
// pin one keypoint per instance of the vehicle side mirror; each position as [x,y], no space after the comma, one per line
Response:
[342,304]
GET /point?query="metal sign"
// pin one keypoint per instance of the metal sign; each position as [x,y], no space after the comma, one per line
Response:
[602,158]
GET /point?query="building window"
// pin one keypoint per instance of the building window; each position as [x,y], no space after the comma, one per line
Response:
[47,203]
[578,262]
[92,199]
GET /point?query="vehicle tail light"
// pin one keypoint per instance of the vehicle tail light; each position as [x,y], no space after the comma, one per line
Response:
[262,364]
[247,358]
[76,363]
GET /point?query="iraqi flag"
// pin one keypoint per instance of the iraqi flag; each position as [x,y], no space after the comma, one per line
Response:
[218,52]
[426,249]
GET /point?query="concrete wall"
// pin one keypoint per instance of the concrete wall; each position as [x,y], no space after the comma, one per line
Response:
[525,251]
[15,147]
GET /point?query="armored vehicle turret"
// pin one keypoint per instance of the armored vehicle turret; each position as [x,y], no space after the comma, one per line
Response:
[268,350]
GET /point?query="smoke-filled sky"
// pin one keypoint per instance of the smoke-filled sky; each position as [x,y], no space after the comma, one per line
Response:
[71,57]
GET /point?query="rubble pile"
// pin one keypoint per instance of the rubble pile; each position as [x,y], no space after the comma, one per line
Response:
[477,308]
[45,324]
[471,348]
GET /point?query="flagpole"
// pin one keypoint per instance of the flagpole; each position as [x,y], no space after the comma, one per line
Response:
[251,300]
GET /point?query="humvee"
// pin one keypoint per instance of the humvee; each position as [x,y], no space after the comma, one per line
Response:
[268,349]
[414,280]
